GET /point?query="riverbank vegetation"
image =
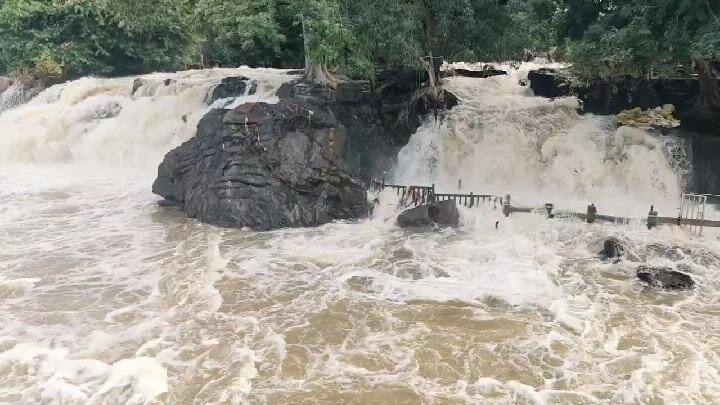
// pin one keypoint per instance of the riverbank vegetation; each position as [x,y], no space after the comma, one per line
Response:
[53,40]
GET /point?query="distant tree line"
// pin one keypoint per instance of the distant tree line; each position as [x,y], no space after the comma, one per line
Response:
[58,39]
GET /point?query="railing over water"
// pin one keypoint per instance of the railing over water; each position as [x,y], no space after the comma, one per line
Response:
[691,215]
[426,194]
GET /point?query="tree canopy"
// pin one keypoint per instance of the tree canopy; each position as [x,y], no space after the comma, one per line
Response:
[58,39]
[648,37]
[61,38]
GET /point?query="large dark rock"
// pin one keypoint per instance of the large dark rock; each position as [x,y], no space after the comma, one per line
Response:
[611,96]
[550,83]
[703,152]
[665,277]
[612,251]
[290,164]
[443,213]
[233,87]
[264,166]
[478,74]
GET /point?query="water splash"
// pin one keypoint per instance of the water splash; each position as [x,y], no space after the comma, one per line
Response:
[109,299]
[103,122]
[501,139]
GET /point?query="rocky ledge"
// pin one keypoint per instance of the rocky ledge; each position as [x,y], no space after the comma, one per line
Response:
[611,96]
[291,164]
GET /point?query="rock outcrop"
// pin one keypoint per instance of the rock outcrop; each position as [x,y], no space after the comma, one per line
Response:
[291,164]
[442,213]
[488,71]
[264,166]
[550,83]
[5,83]
[658,117]
[665,277]
[233,87]
[612,251]
[611,96]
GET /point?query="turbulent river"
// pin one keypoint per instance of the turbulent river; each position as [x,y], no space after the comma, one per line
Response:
[108,299]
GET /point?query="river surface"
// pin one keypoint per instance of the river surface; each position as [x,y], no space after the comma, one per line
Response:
[109,299]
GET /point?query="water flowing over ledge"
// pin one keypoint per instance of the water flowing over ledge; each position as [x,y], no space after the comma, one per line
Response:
[109,298]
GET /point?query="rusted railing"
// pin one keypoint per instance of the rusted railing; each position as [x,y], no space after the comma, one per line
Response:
[417,195]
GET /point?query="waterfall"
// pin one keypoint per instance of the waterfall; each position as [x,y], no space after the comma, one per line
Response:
[131,121]
[502,139]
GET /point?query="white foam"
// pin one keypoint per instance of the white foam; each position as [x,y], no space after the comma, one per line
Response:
[501,139]
[107,298]
[99,121]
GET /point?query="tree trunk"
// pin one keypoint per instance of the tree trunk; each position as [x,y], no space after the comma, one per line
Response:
[428,62]
[314,71]
[708,102]
[319,73]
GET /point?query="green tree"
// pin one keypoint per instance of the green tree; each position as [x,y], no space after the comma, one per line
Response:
[419,32]
[252,32]
[74,38]
[644,37]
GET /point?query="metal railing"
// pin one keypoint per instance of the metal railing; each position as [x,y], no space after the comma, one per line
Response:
[427,194]
[692,207]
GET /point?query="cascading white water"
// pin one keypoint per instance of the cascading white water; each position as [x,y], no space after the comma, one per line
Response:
[15,95]
[93,120]
[501,139]
[109,299]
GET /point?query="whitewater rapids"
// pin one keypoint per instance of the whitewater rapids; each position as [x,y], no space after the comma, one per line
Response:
[109,299]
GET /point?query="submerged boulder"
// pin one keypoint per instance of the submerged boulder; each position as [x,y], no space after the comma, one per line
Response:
[443,213]
[613,250]
[665,277]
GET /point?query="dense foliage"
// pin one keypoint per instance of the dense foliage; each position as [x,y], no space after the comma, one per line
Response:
[55,38]
[643,37]
[58,39]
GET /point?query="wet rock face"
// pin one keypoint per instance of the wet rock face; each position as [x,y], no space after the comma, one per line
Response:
[664,277]
[233,87]
[265,166]
[550,83]
[611,96]
[5,83]
[443,213]
[295,163]
[613,250]
[488,71]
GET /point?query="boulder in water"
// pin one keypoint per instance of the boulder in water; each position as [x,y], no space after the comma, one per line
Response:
[233,87]
[658,117]
[550,83]
[265,166]
[486,72]
[295,163]
[443,213]
[613,250]
[665,277]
